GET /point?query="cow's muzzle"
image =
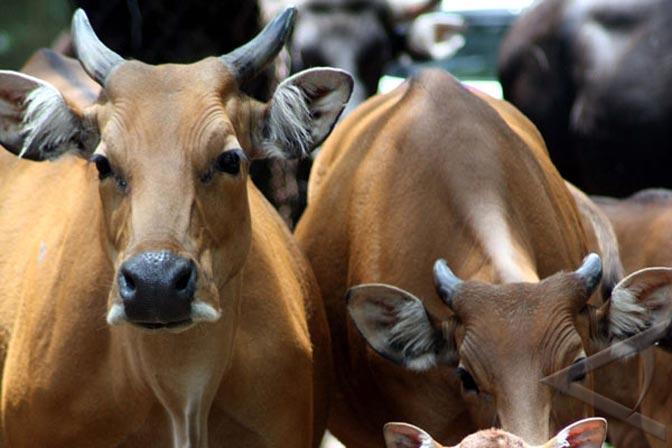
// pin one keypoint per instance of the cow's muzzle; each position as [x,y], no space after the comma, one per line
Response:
[157,289]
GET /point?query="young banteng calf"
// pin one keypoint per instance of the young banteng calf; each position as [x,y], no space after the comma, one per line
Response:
[588,433]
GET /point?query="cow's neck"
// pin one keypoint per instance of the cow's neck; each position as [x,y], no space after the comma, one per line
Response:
[183,371]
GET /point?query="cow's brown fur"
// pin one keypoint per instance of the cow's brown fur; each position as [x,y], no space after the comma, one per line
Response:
[431,170]
[642,223]
[255,376]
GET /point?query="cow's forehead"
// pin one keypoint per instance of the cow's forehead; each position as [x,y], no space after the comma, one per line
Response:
[169,105]
[512,298]
[137,80]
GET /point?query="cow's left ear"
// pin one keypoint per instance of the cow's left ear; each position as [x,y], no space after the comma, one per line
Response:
[36,122]
[639,301]
[302,113]
[403,435]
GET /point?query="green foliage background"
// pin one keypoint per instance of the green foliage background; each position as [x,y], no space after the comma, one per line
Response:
[26,25]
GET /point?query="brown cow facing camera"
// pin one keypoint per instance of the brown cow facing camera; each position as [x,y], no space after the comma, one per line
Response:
[151,296]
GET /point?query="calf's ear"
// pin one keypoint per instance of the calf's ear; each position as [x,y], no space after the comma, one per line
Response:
[587,433]
[36,123]
[403,435]
[639,301]
[396,325]
[302,113]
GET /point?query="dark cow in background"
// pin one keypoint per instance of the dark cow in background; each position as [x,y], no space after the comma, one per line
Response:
[160,31]
[594,76]
[362,37]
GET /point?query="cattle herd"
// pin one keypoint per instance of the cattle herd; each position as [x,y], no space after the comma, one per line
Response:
[442,271]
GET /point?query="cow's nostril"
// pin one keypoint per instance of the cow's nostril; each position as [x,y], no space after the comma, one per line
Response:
[128,281]
[183,279]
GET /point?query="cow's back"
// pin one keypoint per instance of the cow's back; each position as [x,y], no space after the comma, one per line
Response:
[409,177]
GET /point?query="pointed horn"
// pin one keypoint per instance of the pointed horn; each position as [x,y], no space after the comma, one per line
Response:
[590,272]
[445,281]
[249,60]
[96,59]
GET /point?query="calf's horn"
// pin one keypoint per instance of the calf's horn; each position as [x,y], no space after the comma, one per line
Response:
[445,281]
[247,61]
[96,59]
[590,272]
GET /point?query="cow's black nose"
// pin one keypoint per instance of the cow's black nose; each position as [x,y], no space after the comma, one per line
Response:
[157,288]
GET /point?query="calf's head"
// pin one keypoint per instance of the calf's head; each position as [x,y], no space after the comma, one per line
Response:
[504,339]
[588,433]
[172,146]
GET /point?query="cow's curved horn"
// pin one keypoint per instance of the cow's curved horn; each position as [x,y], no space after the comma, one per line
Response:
[445,281]
[590,272]
[98,60]
[250,59]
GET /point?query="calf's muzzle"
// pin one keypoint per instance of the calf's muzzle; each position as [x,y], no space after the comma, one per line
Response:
[157,288]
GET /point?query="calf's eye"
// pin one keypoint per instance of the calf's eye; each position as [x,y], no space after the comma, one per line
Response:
[229,161]
[468,383]
[102,165]
[577,371]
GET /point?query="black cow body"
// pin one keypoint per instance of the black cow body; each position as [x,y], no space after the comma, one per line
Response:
[596,77]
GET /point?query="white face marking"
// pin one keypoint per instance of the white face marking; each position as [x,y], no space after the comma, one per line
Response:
[202,312]
[488,218]
[42,252]
[116,315]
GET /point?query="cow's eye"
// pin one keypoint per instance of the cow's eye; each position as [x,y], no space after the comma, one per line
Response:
[577,371]
[229,161]
[468,383]
[102,165]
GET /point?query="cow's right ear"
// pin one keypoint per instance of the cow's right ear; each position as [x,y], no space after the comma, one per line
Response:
[403,435]
[639,301]
[36,122]
[587,433]
[396,325]
[302,112]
